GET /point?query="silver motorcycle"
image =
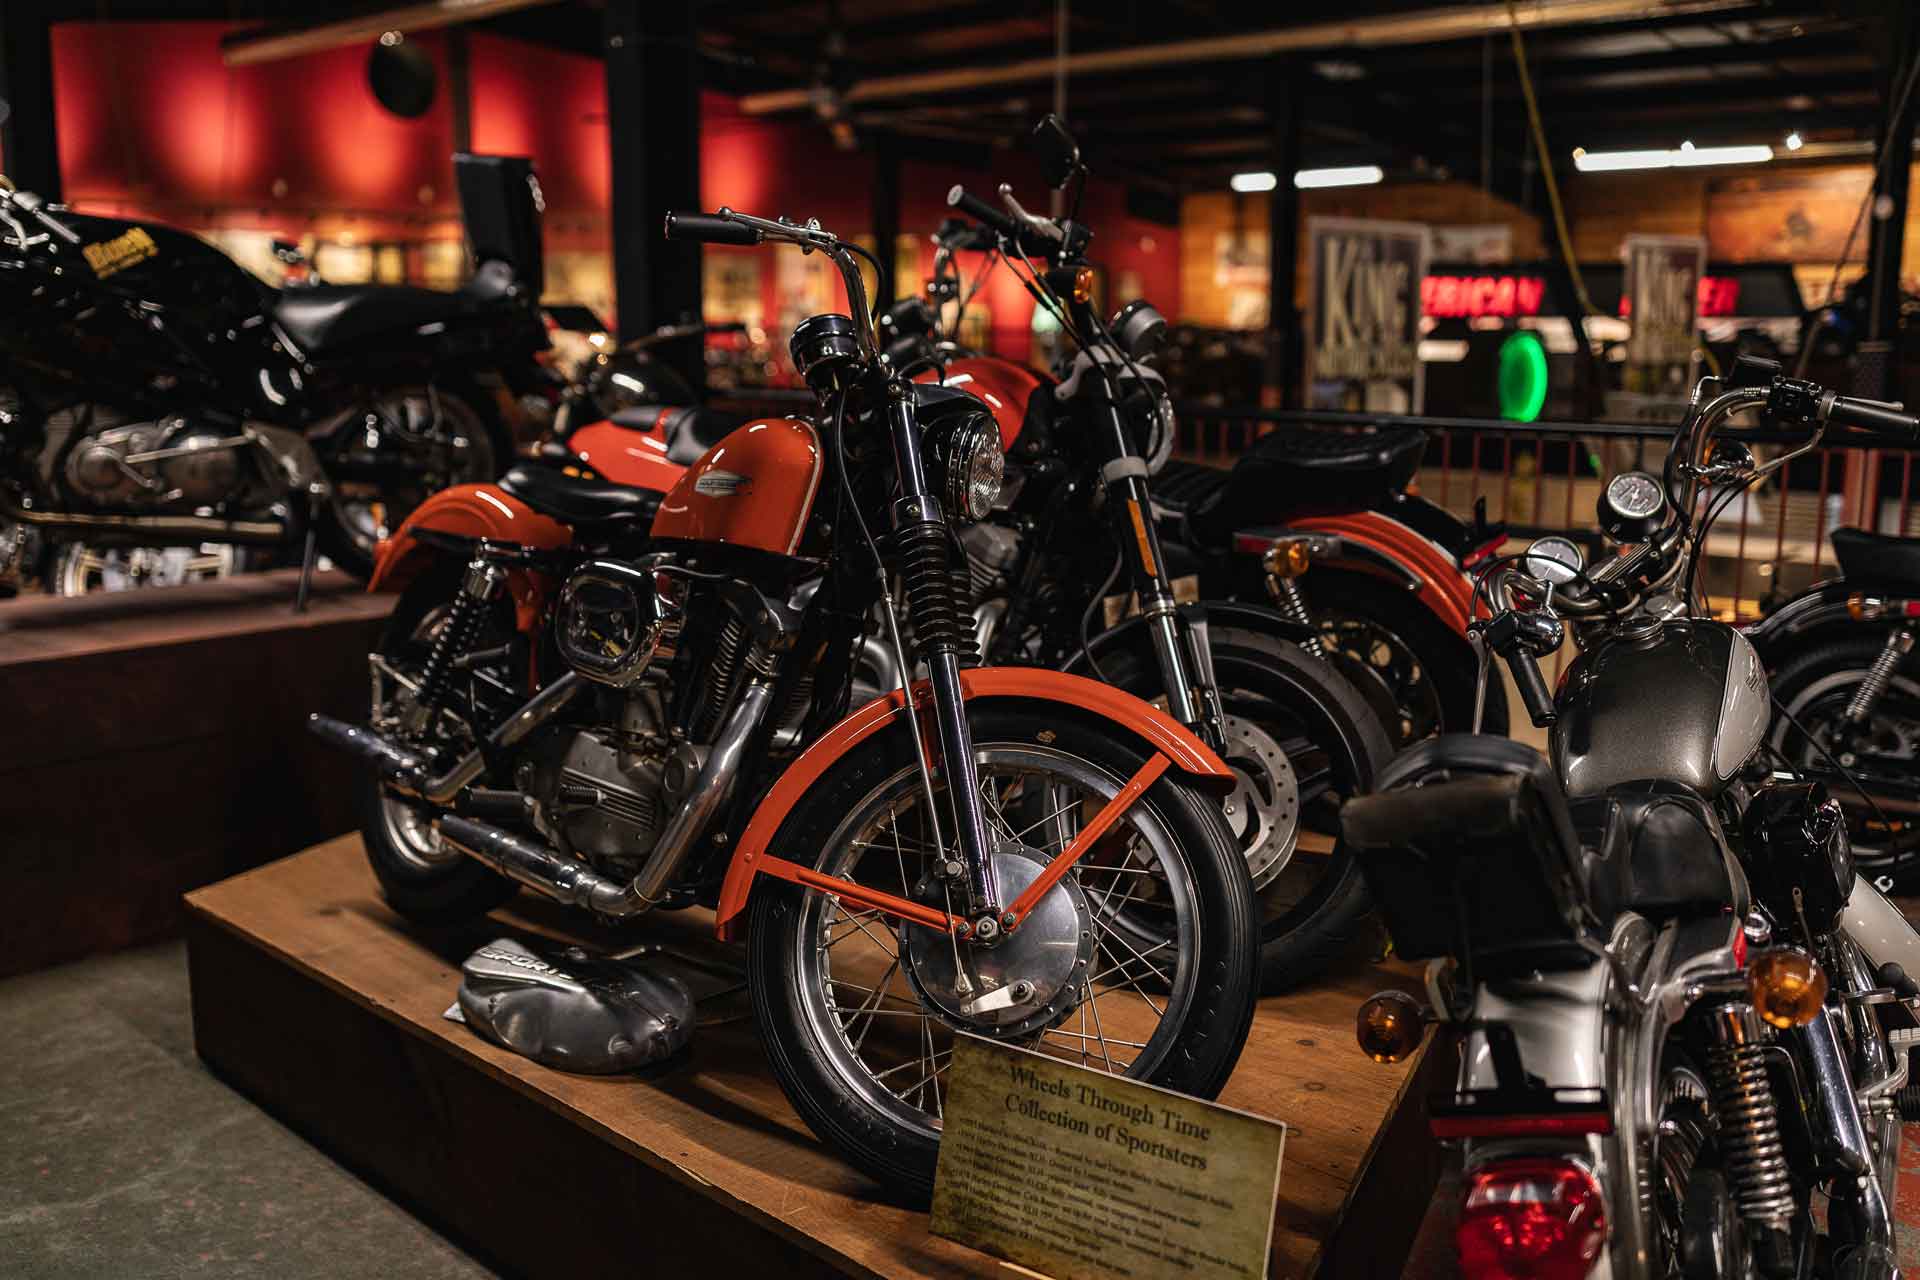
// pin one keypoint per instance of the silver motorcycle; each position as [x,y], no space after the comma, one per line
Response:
[1684,1022]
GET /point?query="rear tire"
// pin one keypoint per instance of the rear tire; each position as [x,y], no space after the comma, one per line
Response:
[423,880]
[1212,979]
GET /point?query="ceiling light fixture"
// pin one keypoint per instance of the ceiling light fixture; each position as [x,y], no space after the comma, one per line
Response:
[1358,175]
[1687,157]
[1795,142]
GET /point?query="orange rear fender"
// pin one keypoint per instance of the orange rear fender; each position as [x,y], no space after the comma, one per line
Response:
[471,511]
[1165,736]
[1441,585]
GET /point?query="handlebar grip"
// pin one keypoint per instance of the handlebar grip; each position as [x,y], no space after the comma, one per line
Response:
[1534,693]
[34,205]
[707,229]
[1870,415]
[979,210]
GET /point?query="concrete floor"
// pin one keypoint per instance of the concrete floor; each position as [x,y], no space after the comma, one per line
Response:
[121,1156]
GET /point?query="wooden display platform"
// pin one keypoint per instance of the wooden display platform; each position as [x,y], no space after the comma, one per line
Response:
[154,743]
[314,999]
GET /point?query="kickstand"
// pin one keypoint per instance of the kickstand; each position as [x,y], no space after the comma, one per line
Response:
[307,558]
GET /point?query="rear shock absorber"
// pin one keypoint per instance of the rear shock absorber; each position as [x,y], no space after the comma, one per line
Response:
[935,596]
[1749,1137]
[1880,675]
[466,616]
[1284,563]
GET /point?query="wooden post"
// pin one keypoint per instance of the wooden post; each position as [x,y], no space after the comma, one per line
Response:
[1284,336]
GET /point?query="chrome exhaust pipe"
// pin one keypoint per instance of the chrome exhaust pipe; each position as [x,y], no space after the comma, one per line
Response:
[405,770]
[557,876]
[167,529]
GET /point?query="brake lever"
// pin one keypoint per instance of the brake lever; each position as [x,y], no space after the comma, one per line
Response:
[1045,226]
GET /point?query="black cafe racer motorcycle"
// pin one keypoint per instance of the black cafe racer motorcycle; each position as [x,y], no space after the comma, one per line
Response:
[164,415]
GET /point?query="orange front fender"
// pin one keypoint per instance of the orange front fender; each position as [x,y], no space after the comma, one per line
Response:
[1162,733]
[470,511]
[1442,587]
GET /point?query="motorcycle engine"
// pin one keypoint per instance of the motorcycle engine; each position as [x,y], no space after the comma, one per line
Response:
[991,551]
[170,463]
[603,792]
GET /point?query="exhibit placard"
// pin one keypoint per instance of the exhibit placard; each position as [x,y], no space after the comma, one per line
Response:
[1662,292]
[1364,314]
[1081,1174]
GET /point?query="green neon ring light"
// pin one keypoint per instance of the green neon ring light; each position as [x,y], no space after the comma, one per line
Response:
[1523,376]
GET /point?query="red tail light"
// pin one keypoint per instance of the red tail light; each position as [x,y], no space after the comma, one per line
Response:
[1530,1219]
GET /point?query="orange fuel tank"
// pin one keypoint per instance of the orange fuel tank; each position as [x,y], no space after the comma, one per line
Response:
[1003,386]
[753,489]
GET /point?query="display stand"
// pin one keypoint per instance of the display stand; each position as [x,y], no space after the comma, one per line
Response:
[155,743]
[311,997]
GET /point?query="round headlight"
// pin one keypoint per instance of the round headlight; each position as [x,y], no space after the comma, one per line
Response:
[969,466]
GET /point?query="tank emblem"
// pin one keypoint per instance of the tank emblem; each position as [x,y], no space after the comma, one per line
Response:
[121,252]
[723,484]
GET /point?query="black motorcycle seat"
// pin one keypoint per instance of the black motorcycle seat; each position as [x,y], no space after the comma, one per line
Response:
[1289,470]
[1660,846]
[329,317]
[580,500]
[1877,557]
[689,430]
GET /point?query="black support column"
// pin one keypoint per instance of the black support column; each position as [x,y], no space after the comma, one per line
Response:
[653,129]
[1285,334]
[886,217]
[27,147]
[1873,369]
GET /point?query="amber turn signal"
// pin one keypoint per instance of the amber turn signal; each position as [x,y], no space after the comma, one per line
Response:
[1286,559]
[1083,285]
[1788,987]
[1389,1026]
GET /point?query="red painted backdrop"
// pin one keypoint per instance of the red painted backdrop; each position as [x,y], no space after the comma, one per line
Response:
[151,122]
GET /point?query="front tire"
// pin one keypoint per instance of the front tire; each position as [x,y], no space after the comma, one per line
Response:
[839,1045]
[1309,891]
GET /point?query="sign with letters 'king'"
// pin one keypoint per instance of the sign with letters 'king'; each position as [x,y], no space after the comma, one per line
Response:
[1364,314]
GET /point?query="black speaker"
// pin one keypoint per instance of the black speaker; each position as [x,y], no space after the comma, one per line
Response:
[500,203]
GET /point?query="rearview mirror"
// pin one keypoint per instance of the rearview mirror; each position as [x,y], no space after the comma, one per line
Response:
[1059,153]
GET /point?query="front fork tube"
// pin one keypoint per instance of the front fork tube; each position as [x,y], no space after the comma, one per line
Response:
[955,736]
[1179,646]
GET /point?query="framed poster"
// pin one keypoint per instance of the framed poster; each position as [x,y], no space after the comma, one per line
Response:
[1363,314]
[1661,295]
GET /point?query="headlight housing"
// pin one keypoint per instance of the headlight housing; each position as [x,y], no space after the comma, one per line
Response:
[966,465]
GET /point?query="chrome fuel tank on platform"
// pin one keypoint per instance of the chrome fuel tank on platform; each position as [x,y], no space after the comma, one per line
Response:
[1686,702]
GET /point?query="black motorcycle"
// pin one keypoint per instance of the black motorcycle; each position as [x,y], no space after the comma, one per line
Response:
[164,415]
[1846,688]
[1068,571]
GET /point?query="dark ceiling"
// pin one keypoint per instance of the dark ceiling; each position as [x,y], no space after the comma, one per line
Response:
[1710,71]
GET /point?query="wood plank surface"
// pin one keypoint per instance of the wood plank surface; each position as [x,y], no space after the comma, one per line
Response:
[714,1126]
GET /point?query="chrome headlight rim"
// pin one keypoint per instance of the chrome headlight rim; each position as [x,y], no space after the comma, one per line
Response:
[971,465]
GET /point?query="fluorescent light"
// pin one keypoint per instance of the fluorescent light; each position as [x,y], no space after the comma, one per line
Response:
[1723,155]
[1687,157]
[1358,175]
[1254,182]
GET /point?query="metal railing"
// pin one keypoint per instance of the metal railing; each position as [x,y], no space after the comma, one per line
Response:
[1546,477]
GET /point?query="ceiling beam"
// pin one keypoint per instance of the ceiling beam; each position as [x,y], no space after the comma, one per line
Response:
[1424,26]
[246,48]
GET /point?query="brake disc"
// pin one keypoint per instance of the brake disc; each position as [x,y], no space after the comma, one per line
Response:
[1264,808]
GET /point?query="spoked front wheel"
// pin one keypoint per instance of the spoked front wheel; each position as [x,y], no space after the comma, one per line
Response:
[859,1010]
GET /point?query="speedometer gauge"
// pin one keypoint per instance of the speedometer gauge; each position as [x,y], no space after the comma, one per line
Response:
[1632,506]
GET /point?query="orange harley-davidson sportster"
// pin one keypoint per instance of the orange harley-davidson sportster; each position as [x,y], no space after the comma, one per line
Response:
[627,717]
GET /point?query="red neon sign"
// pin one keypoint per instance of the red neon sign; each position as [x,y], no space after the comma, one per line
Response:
[1507,297]
[1461,297]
